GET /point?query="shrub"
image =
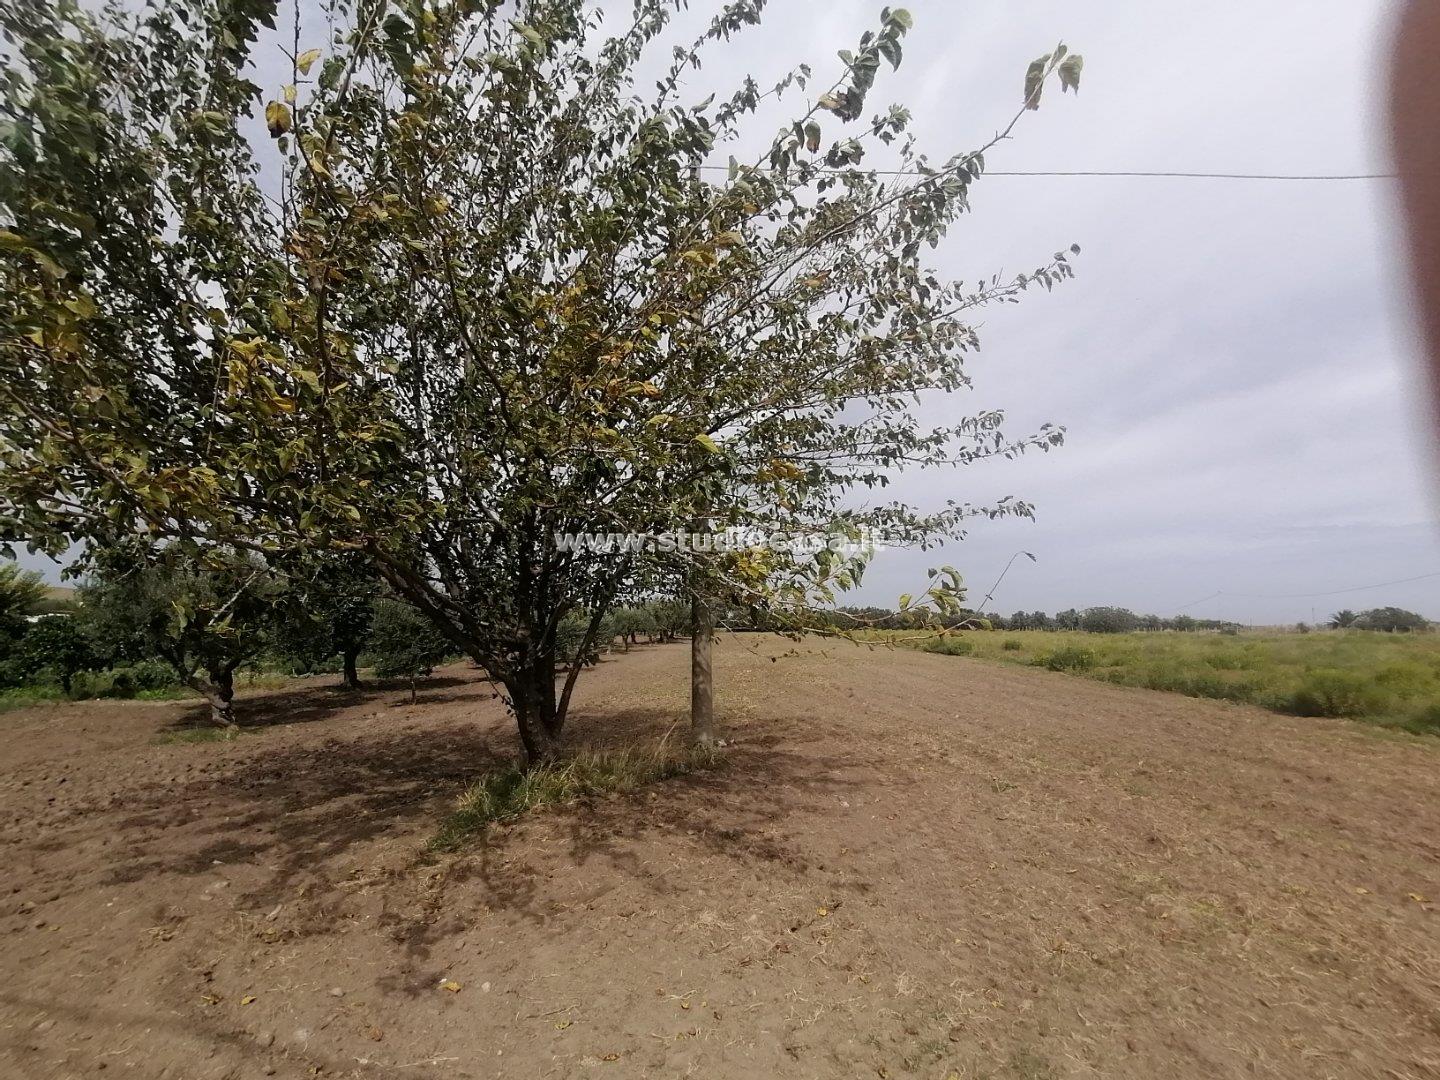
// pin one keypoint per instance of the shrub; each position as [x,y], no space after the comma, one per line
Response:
[1426,721]
[152,675]
[950,646]
[1333,692]
[1068,658]
[1012,645]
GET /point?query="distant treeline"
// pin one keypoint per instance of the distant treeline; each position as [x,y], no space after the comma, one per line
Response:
[1103,620]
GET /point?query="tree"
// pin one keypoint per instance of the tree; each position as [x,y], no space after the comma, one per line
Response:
[1069,619]
[1342,619]
[630,622]
[21,591]
[56,642]
[1392,620]
[671,618]
[328,610]
[475,291]
[204,618]
[1109,620]
[406,645]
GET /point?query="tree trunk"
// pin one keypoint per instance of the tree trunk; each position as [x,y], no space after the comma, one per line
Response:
[702,688]
[535,715]
[219,692]
[352,676]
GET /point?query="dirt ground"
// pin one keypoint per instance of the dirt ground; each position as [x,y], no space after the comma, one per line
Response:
[911,865]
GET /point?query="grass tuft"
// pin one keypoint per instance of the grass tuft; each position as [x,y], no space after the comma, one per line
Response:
[510,792]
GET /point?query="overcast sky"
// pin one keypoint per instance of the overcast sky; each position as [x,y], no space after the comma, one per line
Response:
[1234,362]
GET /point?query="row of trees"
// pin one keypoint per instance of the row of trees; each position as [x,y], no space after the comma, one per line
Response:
[452,284]
[1107,620]
[200,625]
[1098,620]
[1390,619]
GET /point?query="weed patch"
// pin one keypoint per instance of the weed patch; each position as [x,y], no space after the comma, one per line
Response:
[511,792]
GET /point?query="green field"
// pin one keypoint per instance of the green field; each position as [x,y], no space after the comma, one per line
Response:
[1389,679]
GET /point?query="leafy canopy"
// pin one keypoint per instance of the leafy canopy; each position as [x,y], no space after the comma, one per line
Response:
[452,282]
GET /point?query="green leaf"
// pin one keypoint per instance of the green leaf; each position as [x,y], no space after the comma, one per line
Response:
[1034,81]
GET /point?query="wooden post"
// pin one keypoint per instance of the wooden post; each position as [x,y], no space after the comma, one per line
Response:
[702,687]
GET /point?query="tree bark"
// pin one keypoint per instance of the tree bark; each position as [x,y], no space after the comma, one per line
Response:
[535,716]
[352,675]
[219,692]
[702,687]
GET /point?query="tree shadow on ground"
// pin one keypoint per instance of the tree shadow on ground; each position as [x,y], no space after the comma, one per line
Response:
[297,811]
[307,704]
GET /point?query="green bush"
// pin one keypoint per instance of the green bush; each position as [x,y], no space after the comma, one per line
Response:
[950,646]
[1069,658]
[1426,721]
[1333,692]
[1012,645]
[152,675]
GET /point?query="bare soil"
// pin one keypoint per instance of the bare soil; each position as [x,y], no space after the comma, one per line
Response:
[911,865]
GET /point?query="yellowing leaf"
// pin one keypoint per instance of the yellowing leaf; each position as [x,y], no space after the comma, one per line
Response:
[305,59]
[277,118]
[288,93]
[707,442]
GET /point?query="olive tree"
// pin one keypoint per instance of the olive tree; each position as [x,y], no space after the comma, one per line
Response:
[452,282]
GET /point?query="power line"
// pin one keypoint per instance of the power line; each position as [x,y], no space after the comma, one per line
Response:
[1149,174]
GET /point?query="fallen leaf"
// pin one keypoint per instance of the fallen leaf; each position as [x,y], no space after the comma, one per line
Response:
[247,999]
[451,985]
[822,912]
[1362,890]
[1418,898]
[374,1034]
[611,1057]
